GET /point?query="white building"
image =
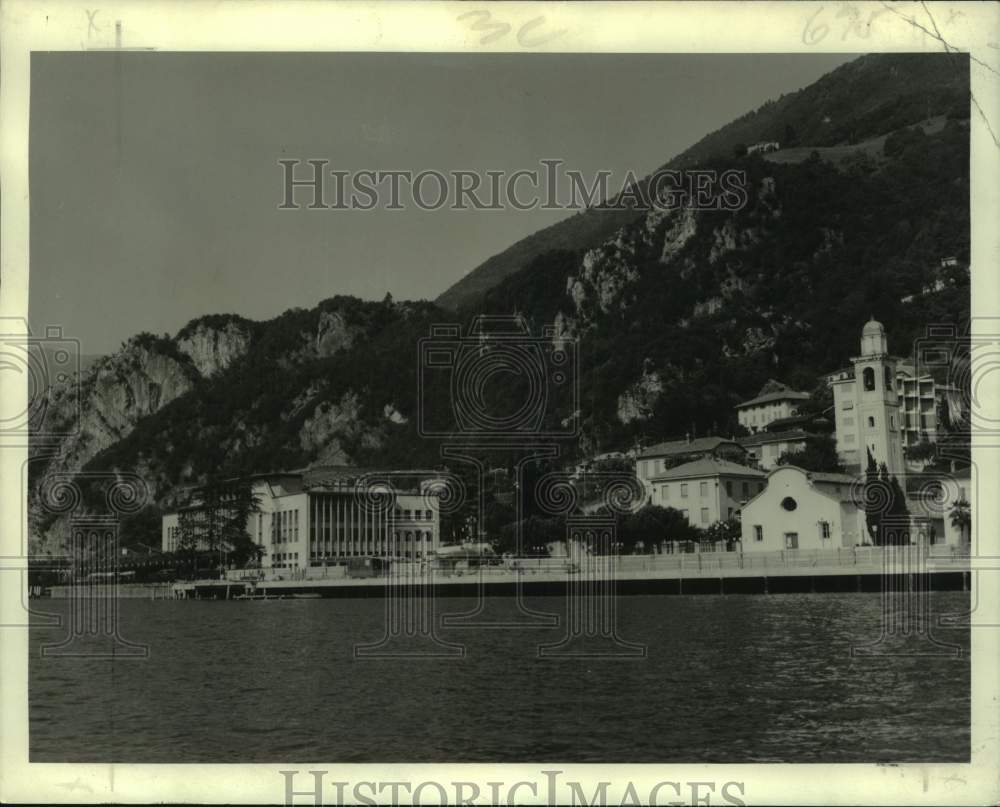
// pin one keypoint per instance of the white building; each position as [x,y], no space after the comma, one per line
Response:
[764,147]
[920,400]
[803,510]
[706,490]
[655,459]
[765,448]
[867,405]
[774,402]
[324,517]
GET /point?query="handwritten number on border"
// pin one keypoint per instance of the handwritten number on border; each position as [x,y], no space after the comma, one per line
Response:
[495,30]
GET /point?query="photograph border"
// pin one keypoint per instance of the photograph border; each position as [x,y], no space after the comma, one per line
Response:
[503,27]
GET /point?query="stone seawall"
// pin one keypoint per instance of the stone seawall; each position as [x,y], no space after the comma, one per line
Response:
[132,591]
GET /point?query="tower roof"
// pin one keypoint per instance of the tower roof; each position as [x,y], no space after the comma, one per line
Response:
[873,328]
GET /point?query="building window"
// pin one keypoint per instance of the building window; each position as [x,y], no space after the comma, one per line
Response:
[824,530]
[888,379]
[406,515]
[730,513]
[791,540]
[684,490]
[665,492]
[892,422]
[758,533]
[746,490]
[871,422]
[848,421]
[729,488]
[869,379]
[428,515]
[703,489]
[704,515]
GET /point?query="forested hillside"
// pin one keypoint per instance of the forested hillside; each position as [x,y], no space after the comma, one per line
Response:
[865,98]
[676,316]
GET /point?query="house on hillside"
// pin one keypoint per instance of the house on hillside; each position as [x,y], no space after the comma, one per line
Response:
[764,147]
[666,455]
[775,400]
[705,490]
[766,447]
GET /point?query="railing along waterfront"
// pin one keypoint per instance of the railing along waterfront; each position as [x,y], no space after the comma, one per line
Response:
[860,560]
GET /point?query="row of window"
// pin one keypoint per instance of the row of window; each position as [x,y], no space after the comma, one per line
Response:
[792,538]
[285,526]
[767,415]
[748,489]
[285,560]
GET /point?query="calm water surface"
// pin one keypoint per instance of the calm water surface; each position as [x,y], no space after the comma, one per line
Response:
[726,679]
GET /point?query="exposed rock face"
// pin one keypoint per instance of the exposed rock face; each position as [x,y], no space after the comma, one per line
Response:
[117,392]
[678,233]
[333,333]
[605,273]
[214,349]
[393,415]
[638,400]
[332,425]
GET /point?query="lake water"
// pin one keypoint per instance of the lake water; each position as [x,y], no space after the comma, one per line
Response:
[724,679]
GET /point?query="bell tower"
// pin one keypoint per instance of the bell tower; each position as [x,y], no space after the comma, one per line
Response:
[877,402]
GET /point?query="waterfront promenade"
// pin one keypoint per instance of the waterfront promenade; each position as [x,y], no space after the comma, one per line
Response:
[847,569]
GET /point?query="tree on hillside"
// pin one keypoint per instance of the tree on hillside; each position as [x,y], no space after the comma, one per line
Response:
[819,454]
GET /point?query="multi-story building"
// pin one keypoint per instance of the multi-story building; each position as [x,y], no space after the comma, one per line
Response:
[706,490]
[867,405]
[326,516]
[773,402]
[922,400]
[652,462]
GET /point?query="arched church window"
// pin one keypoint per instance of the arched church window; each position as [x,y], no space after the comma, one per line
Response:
[869,379]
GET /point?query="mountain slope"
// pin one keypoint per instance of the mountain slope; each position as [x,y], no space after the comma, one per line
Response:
[676,316]
[865,98]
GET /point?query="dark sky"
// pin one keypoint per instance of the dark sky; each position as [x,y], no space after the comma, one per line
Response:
[155,183]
